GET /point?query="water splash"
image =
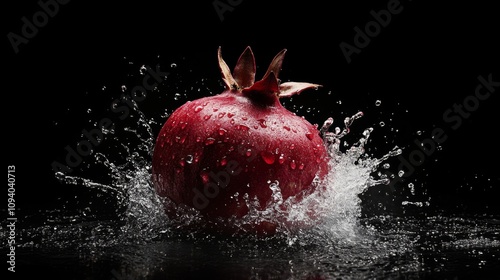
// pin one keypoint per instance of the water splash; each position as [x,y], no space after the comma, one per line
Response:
[331,211]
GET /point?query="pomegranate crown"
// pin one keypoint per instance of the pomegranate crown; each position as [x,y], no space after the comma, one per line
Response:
[243,77]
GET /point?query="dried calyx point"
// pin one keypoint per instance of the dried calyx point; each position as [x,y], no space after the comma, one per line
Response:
[242,79]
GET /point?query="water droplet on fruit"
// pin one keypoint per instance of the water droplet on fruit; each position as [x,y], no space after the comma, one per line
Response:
[222,131]
[293,165]
[198,108]
[262,123]
[248,153]
[286,127]
[183,139]
[223,161]
[232,121]
[268,157]
[198,139]
[244,118]
[281,159]
[181,162]
[242,127]
[230,115]
[206,117]
[309,135]
[301,166]
[292,146]
[189,159]
[221,114]
[209,141]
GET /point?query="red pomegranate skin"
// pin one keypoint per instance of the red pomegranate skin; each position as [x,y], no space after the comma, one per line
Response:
[213,152]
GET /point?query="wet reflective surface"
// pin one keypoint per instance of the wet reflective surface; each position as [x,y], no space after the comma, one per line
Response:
[379,247]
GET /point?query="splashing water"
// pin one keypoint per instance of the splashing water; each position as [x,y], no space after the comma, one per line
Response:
[336,242]
[329,214]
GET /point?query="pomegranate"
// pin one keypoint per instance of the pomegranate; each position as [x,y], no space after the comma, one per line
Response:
[216,153]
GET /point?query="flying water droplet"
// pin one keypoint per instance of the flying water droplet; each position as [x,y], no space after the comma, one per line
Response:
[142,70]
[173,65]
[205,178]
[189,159]
[378,102]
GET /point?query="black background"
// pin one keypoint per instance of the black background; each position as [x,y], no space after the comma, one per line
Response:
[427,59]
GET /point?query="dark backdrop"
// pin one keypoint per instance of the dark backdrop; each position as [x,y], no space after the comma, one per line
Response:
[425,60]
